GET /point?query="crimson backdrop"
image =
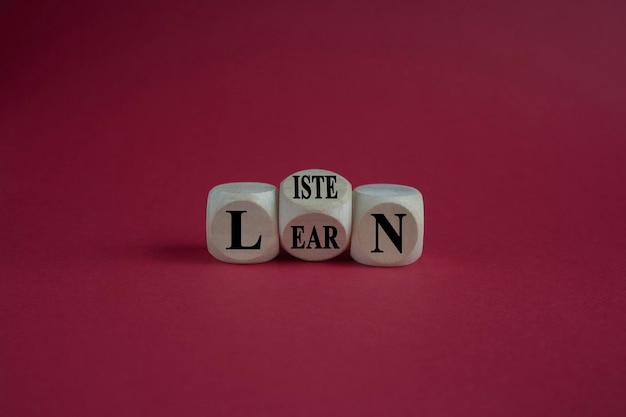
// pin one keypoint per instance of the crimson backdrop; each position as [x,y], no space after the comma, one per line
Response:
[116,119]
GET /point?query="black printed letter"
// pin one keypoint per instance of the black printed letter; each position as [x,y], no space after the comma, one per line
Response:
[235,232]
[396,238]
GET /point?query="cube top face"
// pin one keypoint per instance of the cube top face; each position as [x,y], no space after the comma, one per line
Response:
[386,191]
[388,225]
[242,222]
[316,189]
[234,190]
[315,210]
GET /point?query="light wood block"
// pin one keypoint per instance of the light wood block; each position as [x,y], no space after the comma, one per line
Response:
[315,214]
[242,222]
[387,225]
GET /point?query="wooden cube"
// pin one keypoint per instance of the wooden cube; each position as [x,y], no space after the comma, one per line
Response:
[315,214]
[387,225]
[242,222]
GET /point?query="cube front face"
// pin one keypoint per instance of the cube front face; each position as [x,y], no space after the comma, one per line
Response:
[315,210]
[315,237]
[388,225]
[242,223]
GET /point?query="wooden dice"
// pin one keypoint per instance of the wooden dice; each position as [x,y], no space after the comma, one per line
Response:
[315,211]
[315,216]
[242,222]
[387,224]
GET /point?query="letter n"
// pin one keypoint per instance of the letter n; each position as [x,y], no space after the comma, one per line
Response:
[396,238]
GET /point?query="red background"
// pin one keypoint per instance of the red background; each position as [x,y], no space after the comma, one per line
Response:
[116,120]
